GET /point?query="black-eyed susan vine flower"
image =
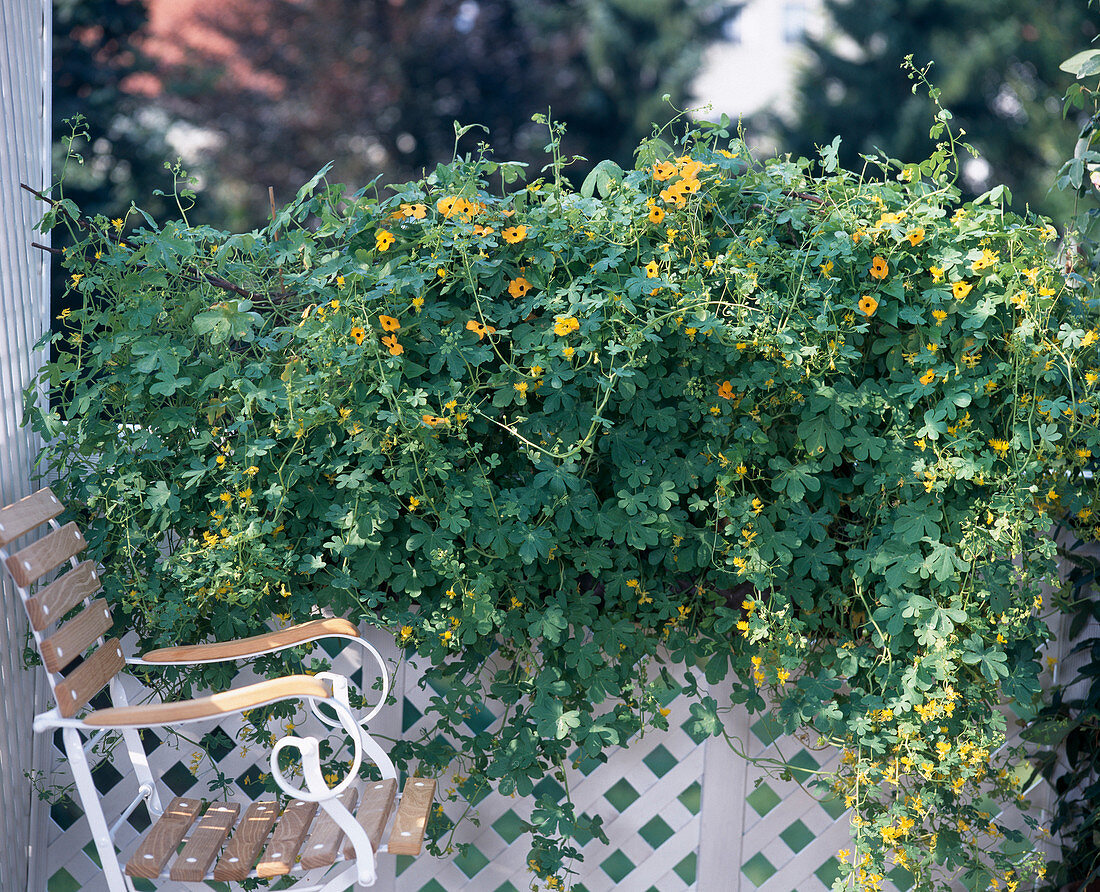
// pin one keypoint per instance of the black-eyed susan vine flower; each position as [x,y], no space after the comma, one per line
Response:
[389,323]
[880,269]
[391,343]
[383,240]
[358,334]
[868,305]
[518,287]
[513,235]
[564,325]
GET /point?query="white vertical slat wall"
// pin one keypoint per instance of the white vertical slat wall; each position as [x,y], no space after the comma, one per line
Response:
[25,37]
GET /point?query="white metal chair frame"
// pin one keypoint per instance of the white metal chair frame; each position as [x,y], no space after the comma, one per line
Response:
[127,719]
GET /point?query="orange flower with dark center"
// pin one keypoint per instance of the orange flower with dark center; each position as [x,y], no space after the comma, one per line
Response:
[868,305]
[388,323]
[515,234]
[448,205]
[656,214]
[479,329]
[651,269]
[415,211]
[663,171]
[384,240]
[725,390]
[879,268]
[433,420]
[358,333]
[391,342]
[519,287]
[928,377]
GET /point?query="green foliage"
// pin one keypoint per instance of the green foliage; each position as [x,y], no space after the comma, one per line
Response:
[1065,733]
[771,422]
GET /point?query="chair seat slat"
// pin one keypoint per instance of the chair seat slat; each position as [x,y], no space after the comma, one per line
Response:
[407,835]
[52,602]
[324,842]
[73,638]
[163,838]
[374,812]
[240,854]
[88,679]
[20,518]
[52,550]
[206,839]
[279,856]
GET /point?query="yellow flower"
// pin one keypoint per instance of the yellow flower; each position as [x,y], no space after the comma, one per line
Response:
[937,273]
[519,287]
[868,305]
[741,470]
[335,304]
[782,675]
[358,333]
[663,171]
[449,205]
[388,323]
[567,352]
[395,348]
[521,387]
[220,460]
[928,377]
[879,268]
[651,270]
[514,234]
[251,470]
[226,497]
[826,267]
[1045,291]
[384,240]
[441,272]
[414,503]
[915,236]
[1001,447]
[66,313]
[77,277]
[987,259]
[417,304]
[960,290]
[656,214]
[117,224]
[246,493]
[939,316]
[564,325]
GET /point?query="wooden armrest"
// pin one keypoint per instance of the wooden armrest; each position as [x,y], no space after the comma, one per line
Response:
[257,644]
[237,700]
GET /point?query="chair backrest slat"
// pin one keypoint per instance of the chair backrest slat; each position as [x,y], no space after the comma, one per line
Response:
[23,516]
[88,679]
[52,602]
[73,638]
[49,552]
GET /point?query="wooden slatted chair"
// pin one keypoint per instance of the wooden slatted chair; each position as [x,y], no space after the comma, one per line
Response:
[320,828]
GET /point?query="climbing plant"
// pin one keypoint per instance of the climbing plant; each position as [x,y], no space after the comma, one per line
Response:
[798,429]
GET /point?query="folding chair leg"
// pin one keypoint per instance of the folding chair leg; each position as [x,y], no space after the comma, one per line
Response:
[93,811]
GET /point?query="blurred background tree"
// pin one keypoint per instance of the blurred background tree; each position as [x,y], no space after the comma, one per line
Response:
[95,51]
[996,62]
[284,86]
